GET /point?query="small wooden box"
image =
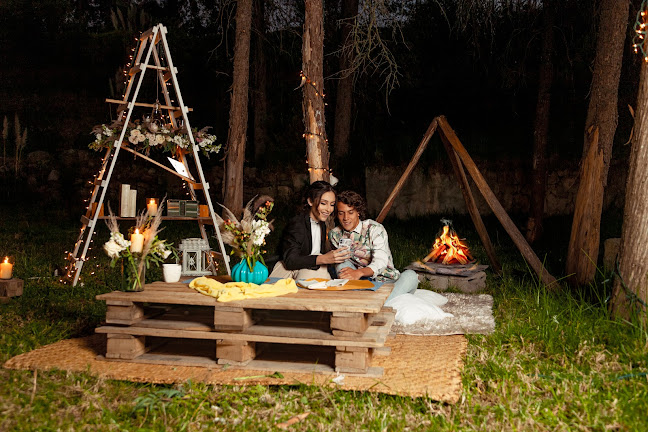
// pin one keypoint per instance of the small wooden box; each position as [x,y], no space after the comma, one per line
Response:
[203,210]
[190,208]
[11,287]
[173,207]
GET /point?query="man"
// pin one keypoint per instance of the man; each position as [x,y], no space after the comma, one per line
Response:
[370,253]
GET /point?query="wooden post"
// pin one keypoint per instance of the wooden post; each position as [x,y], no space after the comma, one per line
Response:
[471,205]
[494,204]
[419,151]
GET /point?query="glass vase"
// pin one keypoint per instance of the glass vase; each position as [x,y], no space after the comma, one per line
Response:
[134,275]
[257,275]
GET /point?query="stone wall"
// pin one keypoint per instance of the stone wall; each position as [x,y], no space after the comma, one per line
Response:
[434,189]
[64,179]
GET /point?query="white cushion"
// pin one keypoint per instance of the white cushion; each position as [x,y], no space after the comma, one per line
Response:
[431,297]
[411,309]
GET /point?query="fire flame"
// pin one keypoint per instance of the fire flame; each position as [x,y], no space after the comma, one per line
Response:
[448,248]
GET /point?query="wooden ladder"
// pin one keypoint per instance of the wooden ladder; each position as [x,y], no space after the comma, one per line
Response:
[147,57]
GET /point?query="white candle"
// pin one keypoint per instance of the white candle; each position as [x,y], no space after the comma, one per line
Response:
[152,207]
[125,200]
[137,241]
[5,269]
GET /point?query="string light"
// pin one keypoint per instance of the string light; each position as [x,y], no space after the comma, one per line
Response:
[308,135]
[639,39]
[306,80]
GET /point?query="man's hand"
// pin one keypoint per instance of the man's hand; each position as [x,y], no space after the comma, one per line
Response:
[352,274]
[336,256]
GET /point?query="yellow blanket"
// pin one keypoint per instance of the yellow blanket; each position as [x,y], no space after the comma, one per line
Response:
[231,291]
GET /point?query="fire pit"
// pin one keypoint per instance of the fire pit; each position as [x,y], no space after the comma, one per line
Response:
[450,263]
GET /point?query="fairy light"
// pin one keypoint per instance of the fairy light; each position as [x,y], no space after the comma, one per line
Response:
[306,80]
[308,135]
[639,39]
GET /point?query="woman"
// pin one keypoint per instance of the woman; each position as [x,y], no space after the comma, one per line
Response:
[305,250]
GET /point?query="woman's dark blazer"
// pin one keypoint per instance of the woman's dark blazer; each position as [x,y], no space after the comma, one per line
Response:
[296,243]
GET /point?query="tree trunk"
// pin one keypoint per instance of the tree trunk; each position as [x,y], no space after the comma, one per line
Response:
[541,128]
[233,182]
[260,99]
[633,256]
[313,90]
[344,94]
[601,122]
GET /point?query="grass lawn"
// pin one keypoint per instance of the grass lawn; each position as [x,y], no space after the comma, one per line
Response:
[556,360]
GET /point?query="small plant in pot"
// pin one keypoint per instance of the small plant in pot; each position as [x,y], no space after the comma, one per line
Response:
[171,269]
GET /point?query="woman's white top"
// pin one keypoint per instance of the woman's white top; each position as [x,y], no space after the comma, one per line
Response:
[316,236]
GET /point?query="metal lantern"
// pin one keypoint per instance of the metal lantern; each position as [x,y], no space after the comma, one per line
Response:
[195,257]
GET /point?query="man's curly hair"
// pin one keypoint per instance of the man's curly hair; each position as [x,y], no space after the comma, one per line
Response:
[353,199]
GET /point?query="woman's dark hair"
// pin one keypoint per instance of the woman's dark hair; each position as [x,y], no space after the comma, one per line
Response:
[315,191]
[353,199]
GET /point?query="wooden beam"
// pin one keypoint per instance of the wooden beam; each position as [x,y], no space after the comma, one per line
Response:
[147,105]
[419,151]
[471,205]
[185,178]
[494,204]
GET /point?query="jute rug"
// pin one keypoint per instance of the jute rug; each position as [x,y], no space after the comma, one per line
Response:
[473,314]
[417,366]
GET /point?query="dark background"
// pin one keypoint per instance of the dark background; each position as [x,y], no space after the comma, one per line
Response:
[61,59]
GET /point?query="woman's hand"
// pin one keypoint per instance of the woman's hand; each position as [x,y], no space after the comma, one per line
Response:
[335,256]
[355,274]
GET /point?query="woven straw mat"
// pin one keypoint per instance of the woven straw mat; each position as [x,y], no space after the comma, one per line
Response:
[418,366]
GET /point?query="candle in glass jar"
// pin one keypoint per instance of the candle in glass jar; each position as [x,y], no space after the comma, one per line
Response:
[152,207]
[5,269]
[137,241]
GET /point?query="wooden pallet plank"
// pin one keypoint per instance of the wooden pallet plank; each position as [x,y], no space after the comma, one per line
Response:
[126,347]
[234,320]
[235,350]
[349,322]
[324,340]
[356,360]
[128,314]
[304,300]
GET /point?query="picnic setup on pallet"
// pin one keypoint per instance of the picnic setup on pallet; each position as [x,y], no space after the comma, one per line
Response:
[324,329]
[310,330]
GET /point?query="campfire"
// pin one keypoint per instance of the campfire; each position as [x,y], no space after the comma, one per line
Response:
[448,248]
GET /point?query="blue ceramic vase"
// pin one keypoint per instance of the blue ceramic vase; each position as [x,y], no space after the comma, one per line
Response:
[241,273]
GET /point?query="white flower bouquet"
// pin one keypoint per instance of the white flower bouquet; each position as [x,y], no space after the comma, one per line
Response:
[247,236]
[136,259]
[144,137]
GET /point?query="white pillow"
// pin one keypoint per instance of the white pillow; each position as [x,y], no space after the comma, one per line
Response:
[431,297]
[411,309]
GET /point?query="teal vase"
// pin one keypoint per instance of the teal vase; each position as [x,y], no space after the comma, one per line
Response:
[241,273]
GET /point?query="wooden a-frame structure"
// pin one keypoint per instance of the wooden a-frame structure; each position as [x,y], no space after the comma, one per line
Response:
[459,158]
[147,57]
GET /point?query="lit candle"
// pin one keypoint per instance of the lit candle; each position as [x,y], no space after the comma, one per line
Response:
[152,207]
[5,269]
[137,241]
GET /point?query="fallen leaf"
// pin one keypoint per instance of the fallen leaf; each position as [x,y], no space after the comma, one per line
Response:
[292,421]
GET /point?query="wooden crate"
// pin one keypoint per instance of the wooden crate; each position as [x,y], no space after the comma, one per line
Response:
[344,326]
[10,288]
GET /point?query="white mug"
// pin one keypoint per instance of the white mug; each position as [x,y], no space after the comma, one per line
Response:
[171,272]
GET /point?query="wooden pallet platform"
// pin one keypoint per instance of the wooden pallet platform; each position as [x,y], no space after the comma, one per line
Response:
[349,326]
